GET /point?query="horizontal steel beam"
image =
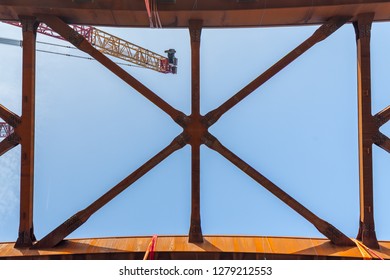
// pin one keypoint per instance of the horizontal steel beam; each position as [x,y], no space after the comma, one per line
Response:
[177,247]
[216,13]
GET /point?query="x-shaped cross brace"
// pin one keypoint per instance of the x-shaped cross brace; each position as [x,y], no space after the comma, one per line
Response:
[195,132]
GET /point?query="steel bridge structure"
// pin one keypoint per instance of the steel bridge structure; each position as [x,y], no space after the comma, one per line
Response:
[330,15]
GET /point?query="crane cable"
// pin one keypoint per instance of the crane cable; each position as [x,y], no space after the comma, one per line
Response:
[149,254]
[85,57]
[57,45]
[147,4]
[366,252]
[155,12]
[20,44]
[152,11]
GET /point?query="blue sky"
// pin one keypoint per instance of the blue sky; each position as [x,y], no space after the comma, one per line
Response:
[299,130]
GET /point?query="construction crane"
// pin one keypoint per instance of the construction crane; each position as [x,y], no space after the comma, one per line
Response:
[113,46]
[5,130]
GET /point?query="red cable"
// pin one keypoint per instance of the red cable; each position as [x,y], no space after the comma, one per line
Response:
[152,247]
[147,4]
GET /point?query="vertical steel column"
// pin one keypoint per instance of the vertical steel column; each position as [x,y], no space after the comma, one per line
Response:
[367,131]
[26,132]
[195,234]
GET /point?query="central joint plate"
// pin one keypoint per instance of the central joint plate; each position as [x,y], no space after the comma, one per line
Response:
[195,129]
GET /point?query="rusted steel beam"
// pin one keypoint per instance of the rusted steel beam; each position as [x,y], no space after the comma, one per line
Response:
[383,116]
[368,131]
[9,117]
[195,233]
[180,6]
[215,247]
[334,235]
[382,141]
[8,143]
[216,13]
[82,44]
[26,131]
[195,28]
[74,222]
[320,34]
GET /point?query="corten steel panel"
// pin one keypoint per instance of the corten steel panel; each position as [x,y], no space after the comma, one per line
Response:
[177,247]
[216,13]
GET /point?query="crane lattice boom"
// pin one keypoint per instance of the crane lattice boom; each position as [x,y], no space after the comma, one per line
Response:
[5,130]
[117,47]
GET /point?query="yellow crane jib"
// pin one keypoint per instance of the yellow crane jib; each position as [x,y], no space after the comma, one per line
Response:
[117,47]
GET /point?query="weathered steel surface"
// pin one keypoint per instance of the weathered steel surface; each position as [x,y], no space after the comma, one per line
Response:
[216,13]
[382,141]
[383,116]
[26,131]
[9,117]
[8,143]
[177,247]
[195,233]
[368,130]
[74,222]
